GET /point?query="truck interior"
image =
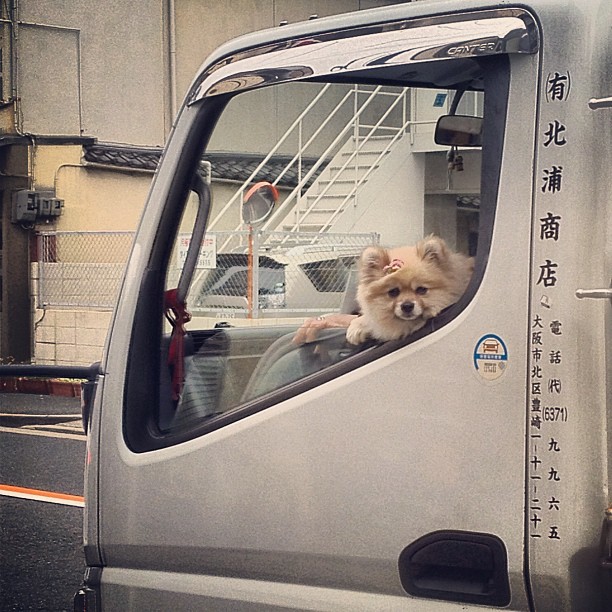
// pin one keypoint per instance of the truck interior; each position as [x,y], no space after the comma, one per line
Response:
[203,367]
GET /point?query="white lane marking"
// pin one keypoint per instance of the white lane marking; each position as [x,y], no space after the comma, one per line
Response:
[46,434]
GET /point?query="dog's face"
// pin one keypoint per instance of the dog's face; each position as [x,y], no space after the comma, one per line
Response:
[402,294]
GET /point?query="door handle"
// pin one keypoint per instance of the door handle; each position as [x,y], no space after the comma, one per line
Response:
[595,103]
[596,294]
[460,566]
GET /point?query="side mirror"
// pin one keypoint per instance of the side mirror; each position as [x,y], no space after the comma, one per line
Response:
[459,131]
[259,203]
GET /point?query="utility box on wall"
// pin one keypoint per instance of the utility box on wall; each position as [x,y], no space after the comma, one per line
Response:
[30,206]
[25,207]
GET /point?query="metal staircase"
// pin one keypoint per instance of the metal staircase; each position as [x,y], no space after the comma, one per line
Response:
[338,186]
[342,169]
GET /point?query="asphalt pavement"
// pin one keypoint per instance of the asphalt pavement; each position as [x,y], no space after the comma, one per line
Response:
[31,403]
[27,409]
[41,550]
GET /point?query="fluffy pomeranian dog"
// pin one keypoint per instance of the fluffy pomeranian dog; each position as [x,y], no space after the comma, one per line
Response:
[400,289]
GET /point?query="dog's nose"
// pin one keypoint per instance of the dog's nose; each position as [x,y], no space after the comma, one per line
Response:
[407,307]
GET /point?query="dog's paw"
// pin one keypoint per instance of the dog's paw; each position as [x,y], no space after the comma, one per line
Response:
[357,332]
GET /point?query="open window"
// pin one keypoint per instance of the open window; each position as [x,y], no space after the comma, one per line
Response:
[346,139]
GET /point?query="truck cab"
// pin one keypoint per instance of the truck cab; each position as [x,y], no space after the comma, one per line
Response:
[463,467]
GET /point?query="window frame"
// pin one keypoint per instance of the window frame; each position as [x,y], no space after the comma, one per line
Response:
[143,391]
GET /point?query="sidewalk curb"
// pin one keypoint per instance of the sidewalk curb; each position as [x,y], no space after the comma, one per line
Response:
[40,386]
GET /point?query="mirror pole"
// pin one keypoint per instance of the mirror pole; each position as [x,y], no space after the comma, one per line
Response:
[250,284]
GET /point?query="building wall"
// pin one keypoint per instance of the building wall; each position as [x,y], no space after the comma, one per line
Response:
[95,199]
[70,337]
[97,69]
[93,68]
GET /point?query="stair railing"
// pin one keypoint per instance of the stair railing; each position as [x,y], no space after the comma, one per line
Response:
[360,143]
[293,198]
[335,145]
[297,125]
[267,158]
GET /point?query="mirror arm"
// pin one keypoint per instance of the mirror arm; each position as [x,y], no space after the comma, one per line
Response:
[455,103]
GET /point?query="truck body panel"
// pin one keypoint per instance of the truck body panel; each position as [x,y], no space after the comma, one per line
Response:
[464,468]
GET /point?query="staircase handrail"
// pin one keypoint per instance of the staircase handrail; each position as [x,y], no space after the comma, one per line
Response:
[340,136]
[361,181]
[320,161]
[361,142]
[339,210]
[304,180]
[267,158]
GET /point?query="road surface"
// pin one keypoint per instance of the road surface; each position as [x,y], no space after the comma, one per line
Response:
[41,488]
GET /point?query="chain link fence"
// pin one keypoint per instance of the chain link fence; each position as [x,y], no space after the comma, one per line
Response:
[290,273]
[81,269]
[251,275]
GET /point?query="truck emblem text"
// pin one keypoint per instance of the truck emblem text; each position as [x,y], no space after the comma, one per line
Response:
[473,48]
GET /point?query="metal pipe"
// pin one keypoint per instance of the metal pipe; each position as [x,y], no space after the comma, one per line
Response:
[172,58]
[53,371]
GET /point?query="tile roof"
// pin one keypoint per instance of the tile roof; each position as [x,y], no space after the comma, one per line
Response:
[225,166]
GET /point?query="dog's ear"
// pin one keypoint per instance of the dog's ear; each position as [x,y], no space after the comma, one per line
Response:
[434,249]
[371,264]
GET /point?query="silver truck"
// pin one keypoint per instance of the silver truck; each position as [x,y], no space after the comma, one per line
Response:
[463,468]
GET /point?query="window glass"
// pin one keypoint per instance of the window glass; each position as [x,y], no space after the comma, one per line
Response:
[354,165]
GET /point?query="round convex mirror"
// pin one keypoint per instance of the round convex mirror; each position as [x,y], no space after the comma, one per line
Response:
[259,203]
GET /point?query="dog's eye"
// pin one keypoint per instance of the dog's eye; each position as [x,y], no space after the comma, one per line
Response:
[393,293]
[421,290]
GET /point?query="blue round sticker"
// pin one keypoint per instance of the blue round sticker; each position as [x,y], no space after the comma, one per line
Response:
[490,357]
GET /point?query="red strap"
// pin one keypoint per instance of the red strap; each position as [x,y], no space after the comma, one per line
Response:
[176,313]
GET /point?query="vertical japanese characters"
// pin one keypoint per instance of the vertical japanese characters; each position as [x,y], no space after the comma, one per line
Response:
[549,412]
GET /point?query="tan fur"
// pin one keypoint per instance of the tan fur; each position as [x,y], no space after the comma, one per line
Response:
[396,304]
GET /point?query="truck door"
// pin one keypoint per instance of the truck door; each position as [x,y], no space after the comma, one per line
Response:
[238,470]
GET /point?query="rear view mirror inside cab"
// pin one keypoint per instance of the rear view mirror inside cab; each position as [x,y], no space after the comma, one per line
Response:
[459,131]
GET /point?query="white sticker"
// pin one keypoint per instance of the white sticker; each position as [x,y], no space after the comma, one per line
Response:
[207,257]
[490,357]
